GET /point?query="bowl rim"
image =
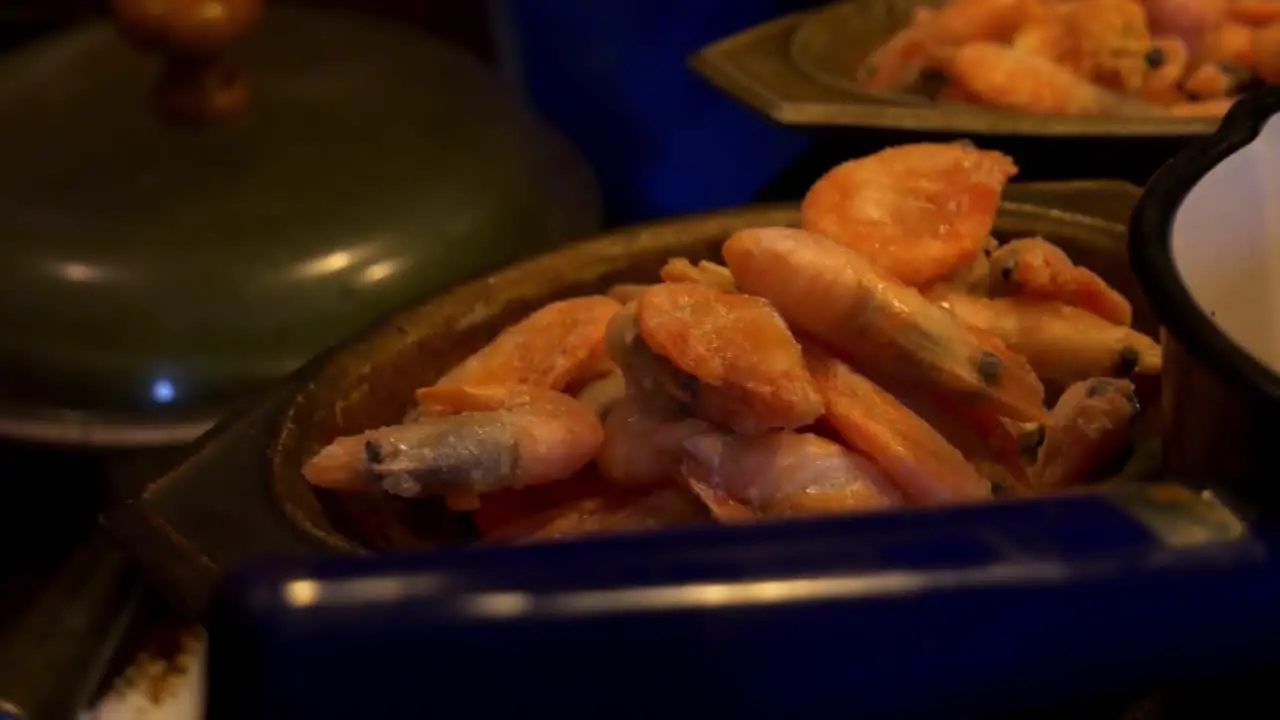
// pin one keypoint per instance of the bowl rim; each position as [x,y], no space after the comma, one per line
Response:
[1150,251]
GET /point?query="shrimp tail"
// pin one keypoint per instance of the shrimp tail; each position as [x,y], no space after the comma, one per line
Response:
[695,475]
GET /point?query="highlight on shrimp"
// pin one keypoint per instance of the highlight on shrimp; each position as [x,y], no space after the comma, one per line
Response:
[836,295]
[782,474]
[918,212]
[891,353]
[1171,58]
[467,440]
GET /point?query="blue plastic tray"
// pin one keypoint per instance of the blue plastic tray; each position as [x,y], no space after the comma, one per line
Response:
[962,612]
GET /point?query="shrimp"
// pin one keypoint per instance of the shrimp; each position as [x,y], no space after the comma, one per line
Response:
[1103,41]
[880,325]
[1254,12]
[1167,62]
[917,211]
[624,293]
[973,277]
[708,273]
[1213,81]
[1230,42]
[1266,52]
[642,442]
[736,363]
[782,474]
[1115,40]
[1088,427]
[926,467]
[504,507]
[931,36]
[644,371]
[608,513]
[1064,344]
[469,440]
[604,393]
[1014,80]
[555,347]
[1036,268]
[1186,19]
[1000,450]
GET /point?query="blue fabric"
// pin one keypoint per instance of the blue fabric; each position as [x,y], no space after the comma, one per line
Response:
[613,76]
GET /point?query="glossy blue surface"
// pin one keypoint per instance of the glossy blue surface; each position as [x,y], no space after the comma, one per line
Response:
[966,611]
[613,76]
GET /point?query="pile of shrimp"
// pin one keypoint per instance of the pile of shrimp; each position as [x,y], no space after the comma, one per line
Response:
[1185,58]
[887,353]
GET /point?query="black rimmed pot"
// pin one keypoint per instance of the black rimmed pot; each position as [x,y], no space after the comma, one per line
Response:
[1221,404]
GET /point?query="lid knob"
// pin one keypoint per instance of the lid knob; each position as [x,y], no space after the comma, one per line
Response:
[197,83]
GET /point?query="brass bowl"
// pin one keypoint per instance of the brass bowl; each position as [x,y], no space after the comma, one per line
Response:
[370,382]
[799,70]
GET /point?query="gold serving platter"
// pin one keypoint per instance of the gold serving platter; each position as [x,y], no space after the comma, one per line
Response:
[799,71]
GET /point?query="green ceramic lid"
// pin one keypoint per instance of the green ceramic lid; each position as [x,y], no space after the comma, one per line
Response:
[151,274]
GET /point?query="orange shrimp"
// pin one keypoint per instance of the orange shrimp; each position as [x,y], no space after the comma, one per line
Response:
[1266,52]
[879,324]
[555,347]
[708,273]
[504,507]
[932,36]
[1230,42]
[1051,34]
[1001,451]
[782,474]
[737,363]
[1187,19]
[1116,40]
[917,211]
[1167,63]
[1214,81]
[642,442]
[1104,41]
[469,440]
[1064,344]
[1010,79]
[972,278]
[604,393]
[926,467]
[1088,427]
[645,372]
[626,292]
[607,513]
[1036,268]
[1254,12]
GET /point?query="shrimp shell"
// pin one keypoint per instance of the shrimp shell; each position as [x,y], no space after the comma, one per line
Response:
[1007,78]
[881,326]
[1036,268]
[919,212]
[679,270]
[642,442]
[1064,344]
[554,347]
[782,474]
[1090,424]
[747,370]
[922,463]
